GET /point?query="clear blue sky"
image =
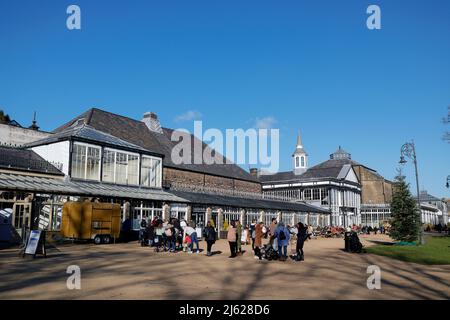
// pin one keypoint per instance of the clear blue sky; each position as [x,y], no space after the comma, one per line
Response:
[309,65]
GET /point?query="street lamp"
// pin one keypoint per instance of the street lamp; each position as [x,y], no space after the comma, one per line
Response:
[448,182]
[408,150]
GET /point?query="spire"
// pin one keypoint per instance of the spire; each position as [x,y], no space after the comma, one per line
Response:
[299,147]
[299,141]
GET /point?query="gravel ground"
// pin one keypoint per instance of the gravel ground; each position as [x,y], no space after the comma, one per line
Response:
[127,271]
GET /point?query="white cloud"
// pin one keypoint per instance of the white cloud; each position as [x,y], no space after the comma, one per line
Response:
[265,123]
[188,116]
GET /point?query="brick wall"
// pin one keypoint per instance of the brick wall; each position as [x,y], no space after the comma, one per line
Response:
[171,175]
[375,189]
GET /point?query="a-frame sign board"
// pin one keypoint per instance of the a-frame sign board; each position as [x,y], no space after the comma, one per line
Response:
[35,244]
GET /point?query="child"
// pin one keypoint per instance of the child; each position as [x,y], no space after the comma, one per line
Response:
[186,243]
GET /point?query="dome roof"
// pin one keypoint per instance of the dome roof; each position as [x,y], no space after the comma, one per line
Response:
[340,154]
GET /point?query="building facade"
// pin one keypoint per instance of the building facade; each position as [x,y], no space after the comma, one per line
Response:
[332,185]
[100,156]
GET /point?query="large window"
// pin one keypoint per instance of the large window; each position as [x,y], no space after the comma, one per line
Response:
[307,194]
[85,162]
[120,167]
[316,194]
[151,172]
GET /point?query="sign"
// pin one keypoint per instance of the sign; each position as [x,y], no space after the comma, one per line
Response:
[35,243]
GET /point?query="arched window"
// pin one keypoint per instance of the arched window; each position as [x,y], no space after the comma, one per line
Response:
[303,162]
[297,162]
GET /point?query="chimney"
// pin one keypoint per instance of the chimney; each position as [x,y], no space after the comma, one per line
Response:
[152,122]
[254,172]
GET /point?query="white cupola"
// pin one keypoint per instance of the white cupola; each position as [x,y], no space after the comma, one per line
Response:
[300,157]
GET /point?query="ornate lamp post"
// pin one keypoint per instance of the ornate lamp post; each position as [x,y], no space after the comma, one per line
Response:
[408,150]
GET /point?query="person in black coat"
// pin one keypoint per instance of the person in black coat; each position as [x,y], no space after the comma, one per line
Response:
[302,235]
[210,236]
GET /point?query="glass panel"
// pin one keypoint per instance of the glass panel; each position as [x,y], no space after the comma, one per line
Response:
[145,171]
[316,194]
[78,161]
[93,164]
[156,169]
[108,166]
[307,194]
[133,169]
[121,168]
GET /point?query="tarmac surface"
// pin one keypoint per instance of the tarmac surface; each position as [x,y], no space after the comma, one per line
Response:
[128,271]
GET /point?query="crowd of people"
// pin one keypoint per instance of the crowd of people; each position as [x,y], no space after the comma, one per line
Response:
[175,235]
[278,234]
[268,242]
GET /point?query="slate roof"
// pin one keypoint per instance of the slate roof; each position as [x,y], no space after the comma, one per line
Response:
[327,169]
[25,160]
[20,182]
[136,132]
[83,132]
[424,196]
[222,200]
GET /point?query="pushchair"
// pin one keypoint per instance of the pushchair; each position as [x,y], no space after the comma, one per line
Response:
[269,253]
[355,244]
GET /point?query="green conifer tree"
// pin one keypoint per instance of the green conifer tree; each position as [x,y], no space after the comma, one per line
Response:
[405,222]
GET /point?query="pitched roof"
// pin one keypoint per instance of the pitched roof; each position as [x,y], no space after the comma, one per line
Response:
[223,200]
[424,196]
[327,169]
[17,181]
[86,133]
[25,160]
[136,132]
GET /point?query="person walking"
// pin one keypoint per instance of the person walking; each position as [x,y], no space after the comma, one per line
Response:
[231,237]
[238,237]
[282,236]
[259,234]
[272,228]
[252,231]
[302,234]
[210,236]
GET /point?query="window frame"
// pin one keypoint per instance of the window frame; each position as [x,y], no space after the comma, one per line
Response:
[158,183]
[85,165]
[127,153]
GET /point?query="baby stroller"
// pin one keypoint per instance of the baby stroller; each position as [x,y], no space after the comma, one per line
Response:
[269,253]
[355,244]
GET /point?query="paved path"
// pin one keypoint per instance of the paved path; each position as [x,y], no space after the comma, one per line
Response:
[127,271]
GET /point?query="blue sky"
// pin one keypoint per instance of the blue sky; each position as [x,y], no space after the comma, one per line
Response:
[297,65]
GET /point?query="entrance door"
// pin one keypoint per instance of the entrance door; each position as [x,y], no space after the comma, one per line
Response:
[199,219]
